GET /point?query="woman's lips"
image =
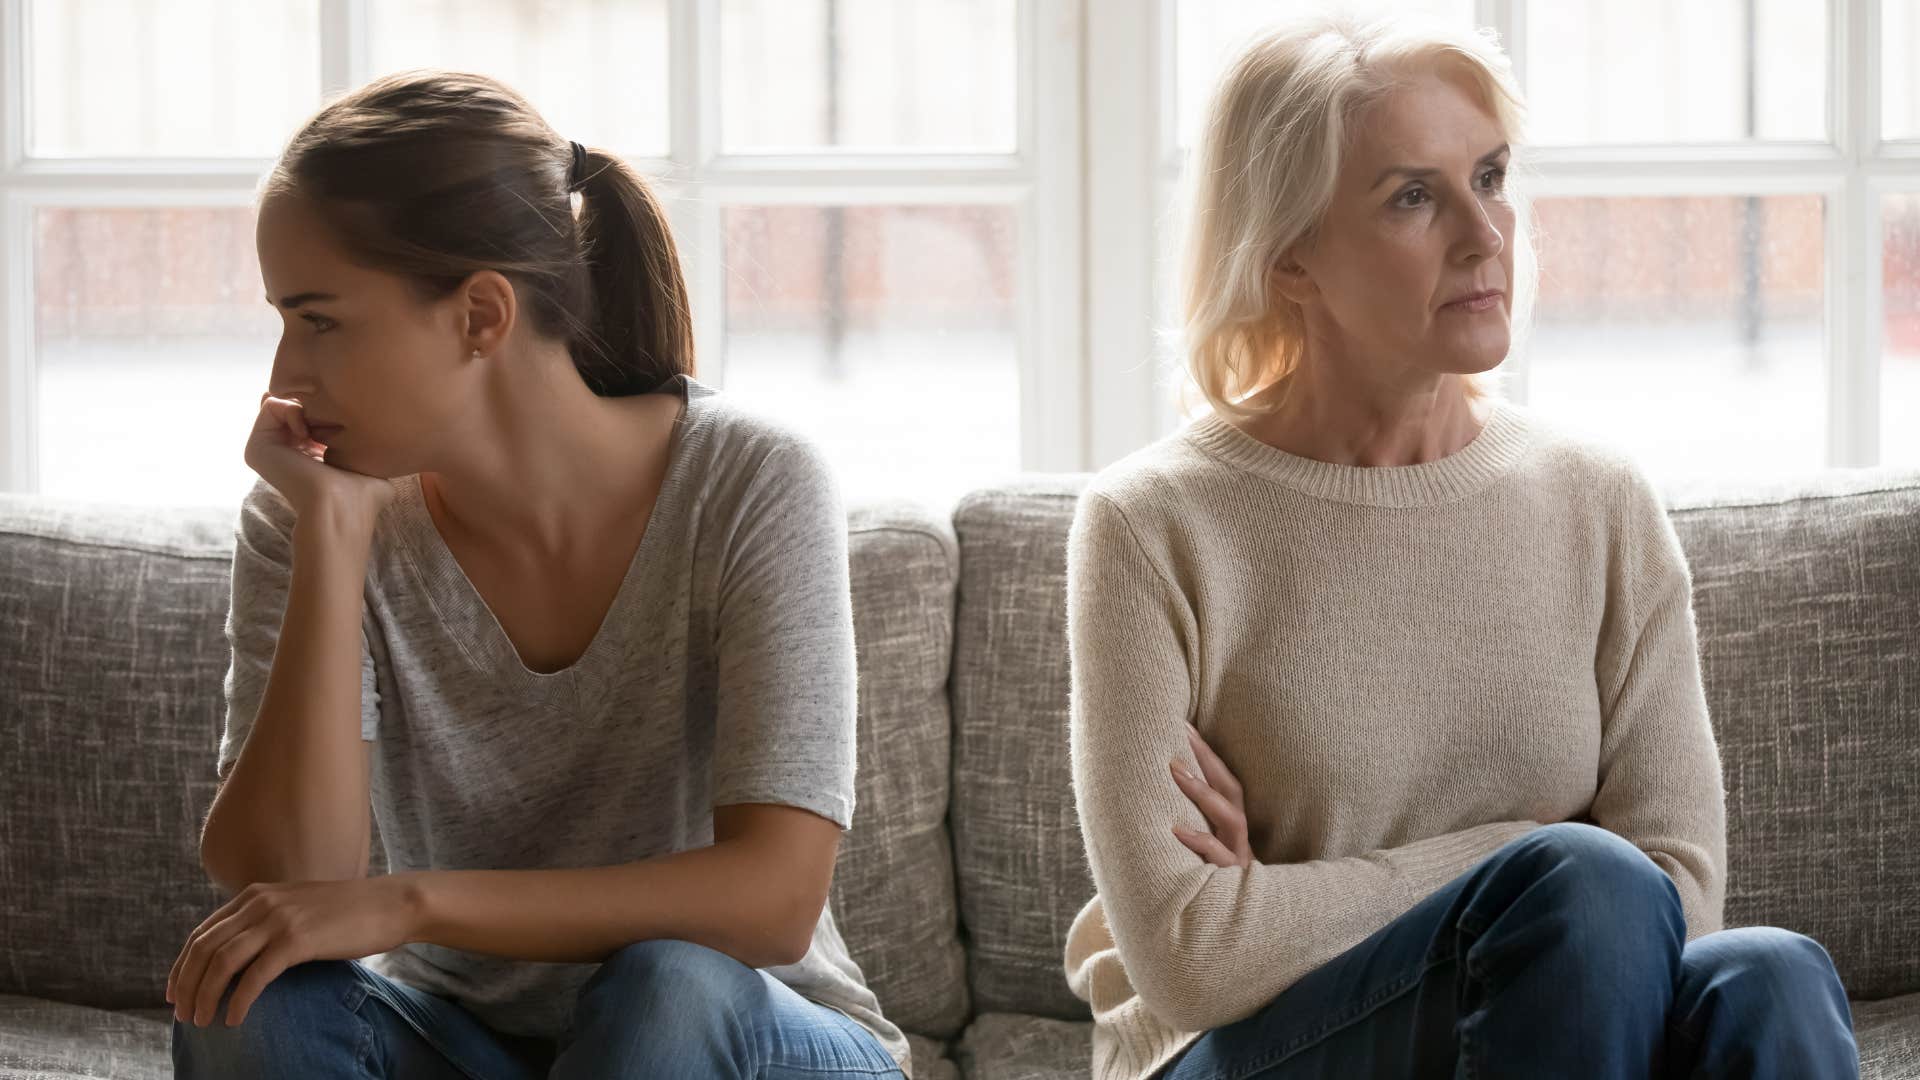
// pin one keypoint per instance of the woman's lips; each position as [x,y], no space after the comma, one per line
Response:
[1473,304]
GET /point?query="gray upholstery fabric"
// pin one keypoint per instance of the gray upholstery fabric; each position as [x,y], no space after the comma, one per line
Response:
[110,673]
[1009,1046]
[112,676]
[1005,1046]
[45,1040]
[1807,596]
[1888,1032]
[1807,593]
[893,885]
[1016,833]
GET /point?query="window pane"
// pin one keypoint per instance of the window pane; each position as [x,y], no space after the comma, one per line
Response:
[887,333]
[1900,353]
[1900,82]
[186,78]
[1633,71]
[1685,330]
[154,346]
[596,69]
[868,75]
[1208,34]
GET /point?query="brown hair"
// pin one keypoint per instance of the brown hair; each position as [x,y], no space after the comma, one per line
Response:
[435,174]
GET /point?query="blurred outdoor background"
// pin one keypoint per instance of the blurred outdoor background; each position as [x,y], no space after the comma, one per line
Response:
[897,214]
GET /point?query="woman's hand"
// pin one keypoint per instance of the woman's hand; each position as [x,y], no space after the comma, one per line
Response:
[1220,798]
[286,455]
[271,926]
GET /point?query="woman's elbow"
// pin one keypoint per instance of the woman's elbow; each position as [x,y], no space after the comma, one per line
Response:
[1163,978]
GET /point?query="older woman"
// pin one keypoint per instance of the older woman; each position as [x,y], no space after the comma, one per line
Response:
[1389,739]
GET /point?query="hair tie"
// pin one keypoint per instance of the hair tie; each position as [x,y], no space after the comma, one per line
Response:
[577,176]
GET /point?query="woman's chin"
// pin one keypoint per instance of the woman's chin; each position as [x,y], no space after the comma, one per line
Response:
[1480,352]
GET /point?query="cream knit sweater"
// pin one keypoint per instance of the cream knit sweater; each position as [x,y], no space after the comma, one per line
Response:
[1405,666]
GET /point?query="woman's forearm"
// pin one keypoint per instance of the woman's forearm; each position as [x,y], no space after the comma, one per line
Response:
[720,896]
[295,806]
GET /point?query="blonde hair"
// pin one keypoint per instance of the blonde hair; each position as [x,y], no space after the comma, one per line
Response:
[1262,176]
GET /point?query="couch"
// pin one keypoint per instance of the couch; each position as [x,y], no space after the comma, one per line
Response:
[964,866]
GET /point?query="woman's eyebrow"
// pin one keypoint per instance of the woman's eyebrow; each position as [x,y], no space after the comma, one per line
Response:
[297,299]
[1409,170]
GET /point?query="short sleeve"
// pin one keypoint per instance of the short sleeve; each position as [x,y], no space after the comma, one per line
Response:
[262,575]
[786,710]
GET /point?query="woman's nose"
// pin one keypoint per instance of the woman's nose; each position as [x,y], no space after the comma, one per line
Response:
[289,376]
[1483,238]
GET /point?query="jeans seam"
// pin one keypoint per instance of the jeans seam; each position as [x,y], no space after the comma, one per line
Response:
[1365,1006]
[451,1058]
[353,999]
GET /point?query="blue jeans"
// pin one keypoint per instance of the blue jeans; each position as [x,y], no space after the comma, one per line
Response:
[1562,955]
[655,1008]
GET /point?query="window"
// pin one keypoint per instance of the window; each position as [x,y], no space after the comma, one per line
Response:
[875,204]
[1725,192]
[937,235]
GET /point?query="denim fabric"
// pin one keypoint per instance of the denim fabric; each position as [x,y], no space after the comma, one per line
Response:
[1561,954]
[653,1009]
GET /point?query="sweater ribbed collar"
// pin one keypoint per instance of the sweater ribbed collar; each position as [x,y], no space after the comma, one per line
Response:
[1500,443]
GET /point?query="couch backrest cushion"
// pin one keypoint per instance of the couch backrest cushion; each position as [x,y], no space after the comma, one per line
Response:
[110,681]
[111,688]
[1807,603]
[893,886]
[1807,597]
[1016,834]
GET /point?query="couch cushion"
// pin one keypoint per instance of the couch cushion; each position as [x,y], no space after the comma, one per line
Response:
[48,1040]
[1807,596]
[893,886]
[1888,1033]
[110,675]
[1006,1046]
[1016,835]
[1807,599]
[1009,1046]
[112,682]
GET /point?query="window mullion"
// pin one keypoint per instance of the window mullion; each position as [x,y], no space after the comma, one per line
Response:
[1049,276]
[16,343]
[1853,240]
[1128,87]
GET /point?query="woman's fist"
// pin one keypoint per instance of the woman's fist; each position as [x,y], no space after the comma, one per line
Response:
[284,452]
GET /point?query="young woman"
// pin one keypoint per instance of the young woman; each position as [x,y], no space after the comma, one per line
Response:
[576,628]
[1389,740]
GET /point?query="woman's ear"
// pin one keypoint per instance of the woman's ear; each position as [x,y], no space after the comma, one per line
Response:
[1292,280]
[491,308]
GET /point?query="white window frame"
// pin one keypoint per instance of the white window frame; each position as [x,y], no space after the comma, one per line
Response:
[1129,126]
[1040,181]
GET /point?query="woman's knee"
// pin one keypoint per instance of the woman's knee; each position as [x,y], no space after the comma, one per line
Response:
[1756,968]
[665,971]
[665,1008]
[285,1026]
[1613,885]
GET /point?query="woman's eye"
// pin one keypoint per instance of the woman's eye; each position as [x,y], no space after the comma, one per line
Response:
[1494,178]
[1417,194]
[321,324]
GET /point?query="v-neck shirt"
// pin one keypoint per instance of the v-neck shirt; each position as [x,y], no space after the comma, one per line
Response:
[484,640]
[723,672]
